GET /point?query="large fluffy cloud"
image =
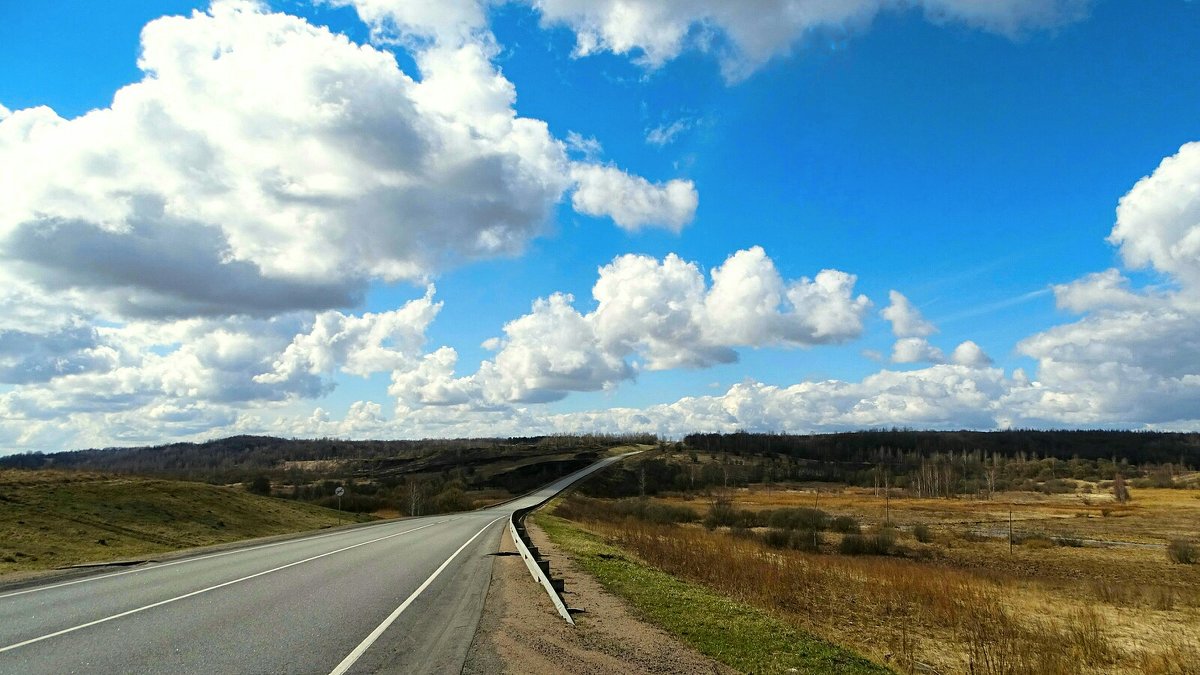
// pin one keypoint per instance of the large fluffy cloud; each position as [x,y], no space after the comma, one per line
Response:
[1134,357]
[1158,222]
[264,165]
[660,313]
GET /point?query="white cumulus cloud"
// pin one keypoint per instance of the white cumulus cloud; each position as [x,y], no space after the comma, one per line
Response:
[905,318]
[654,314]
[264,165]
[1158,221]
[632,201]
[916,350]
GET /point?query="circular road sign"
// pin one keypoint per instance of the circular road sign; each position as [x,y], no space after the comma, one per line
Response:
[340,491]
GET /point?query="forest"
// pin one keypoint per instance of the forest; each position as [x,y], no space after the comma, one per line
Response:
[921,463]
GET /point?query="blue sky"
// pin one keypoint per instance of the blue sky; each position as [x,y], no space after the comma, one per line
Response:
[970,160]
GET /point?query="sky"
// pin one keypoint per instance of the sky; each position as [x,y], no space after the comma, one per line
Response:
[420,218]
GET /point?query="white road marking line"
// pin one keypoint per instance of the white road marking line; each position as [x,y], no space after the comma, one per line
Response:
[362,647]
[204,590]
[184,561]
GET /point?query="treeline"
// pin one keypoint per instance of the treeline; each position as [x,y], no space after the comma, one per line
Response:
[923,464]
[884,446]
[240,458]
[390,477]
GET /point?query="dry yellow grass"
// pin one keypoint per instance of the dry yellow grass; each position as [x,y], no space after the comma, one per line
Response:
[963,602]
[55,518]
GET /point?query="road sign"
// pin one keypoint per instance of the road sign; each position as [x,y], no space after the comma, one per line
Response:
[340,491]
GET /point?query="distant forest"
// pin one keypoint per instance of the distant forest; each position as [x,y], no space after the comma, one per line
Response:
[406,477]
[233,459]
[884,446]
[920,463]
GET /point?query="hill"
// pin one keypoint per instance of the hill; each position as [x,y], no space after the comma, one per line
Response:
[52,519]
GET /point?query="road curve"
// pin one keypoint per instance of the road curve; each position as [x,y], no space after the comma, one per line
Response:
[400,596]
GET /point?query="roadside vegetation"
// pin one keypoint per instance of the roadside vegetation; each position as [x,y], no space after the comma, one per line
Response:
[1100,573]
[738,634]
[52,519]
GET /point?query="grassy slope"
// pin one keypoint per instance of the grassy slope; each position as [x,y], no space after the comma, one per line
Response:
[53,519]
[734,633]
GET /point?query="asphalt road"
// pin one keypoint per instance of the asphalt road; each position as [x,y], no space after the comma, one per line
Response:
[402,596]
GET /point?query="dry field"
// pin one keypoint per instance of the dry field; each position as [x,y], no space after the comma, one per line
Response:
[52,519]
[1087,587]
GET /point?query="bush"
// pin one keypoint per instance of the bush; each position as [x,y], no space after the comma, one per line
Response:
[669,513]
[845,525]
[261,485]
[802,518]
[881,543]
[722,514]
[800,540]
[451,499]
[1183,552]
[923,533]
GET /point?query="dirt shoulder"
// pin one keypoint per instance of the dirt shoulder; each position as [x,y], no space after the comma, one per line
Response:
[520,631]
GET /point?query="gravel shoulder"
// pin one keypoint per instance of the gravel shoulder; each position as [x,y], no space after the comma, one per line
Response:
[520,631]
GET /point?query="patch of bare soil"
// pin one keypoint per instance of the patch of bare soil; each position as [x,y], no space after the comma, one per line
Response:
[520,631]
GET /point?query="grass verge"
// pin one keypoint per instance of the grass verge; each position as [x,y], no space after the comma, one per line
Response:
[739,635]
[51,519]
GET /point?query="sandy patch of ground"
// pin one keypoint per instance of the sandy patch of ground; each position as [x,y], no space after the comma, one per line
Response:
[520,631]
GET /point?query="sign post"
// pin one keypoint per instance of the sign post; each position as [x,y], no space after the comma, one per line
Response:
[339,492]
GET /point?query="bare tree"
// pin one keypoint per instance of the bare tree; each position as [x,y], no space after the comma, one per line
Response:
[1120,492]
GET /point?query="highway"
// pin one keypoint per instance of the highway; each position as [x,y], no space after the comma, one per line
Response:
[402,596]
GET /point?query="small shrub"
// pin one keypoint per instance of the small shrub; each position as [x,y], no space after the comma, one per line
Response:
[261,485]
[741,532]
[845,525]
[802,518]
[722,514]
[1058,486]
[800,540]
[776,538]
[880,543]
[923,533]
[1183,552]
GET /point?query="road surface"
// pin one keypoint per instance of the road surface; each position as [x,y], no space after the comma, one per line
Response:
[403,596]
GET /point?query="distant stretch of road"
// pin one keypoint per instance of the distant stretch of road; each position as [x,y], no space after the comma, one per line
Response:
[402,596]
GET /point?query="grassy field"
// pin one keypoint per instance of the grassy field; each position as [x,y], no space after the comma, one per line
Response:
[1087,587]
[735,633]
[52,519]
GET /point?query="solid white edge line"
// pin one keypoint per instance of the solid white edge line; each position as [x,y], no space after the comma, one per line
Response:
[203,590]
[362,647]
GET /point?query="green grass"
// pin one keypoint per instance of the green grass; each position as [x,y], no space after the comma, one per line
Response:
[734,633]
[54,519]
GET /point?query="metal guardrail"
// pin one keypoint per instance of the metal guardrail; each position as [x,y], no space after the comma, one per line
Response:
[540,569]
